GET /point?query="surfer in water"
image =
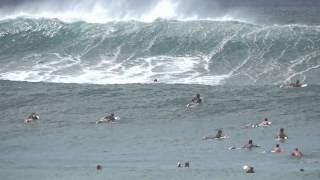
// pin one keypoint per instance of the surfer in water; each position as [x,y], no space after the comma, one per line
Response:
[296,84]
[282,135]
[265,122]
[197,99]
[107,119]
[219,135]
[31,117]
[296,153]
[277,149]
[250,145]
[110,118]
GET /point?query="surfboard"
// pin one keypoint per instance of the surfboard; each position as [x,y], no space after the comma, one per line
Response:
[289,86]
[233,148]
[213,137]
[103,120]
[281,139]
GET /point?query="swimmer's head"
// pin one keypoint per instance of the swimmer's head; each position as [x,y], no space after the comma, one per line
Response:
[99,167]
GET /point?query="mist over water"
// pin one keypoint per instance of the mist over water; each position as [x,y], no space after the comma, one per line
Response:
[101,11]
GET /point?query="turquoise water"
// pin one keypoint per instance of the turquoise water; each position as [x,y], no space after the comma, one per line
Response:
[184,52]
[155,131]
[55,61]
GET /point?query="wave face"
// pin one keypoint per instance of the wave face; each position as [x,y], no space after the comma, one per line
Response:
[187,52]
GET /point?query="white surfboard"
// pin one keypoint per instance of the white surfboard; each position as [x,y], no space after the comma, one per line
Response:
[281,139]
[233,148]
[103,120]
[289,86]
[213,137]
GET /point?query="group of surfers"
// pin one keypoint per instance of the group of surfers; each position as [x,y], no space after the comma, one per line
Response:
[197,100]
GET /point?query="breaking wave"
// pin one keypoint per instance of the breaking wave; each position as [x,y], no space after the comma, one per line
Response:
[187,52]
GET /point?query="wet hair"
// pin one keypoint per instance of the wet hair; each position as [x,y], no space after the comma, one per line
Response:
[277,145]
[281,129]
[266,119]
[198,95]
[99,167]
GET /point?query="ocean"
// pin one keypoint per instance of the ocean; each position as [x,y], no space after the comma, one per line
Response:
[74,73]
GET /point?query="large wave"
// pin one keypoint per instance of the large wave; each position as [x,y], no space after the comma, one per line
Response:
[191,52]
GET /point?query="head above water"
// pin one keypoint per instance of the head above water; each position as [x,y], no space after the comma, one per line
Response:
[277,145]
[297,82]
[281,129]
[265,119]
[198,95]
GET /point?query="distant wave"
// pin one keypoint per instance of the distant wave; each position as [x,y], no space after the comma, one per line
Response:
[188,52]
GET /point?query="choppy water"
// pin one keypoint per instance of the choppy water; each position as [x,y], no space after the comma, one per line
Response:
[155,131]
[235,54]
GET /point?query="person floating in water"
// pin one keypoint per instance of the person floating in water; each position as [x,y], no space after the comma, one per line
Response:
[250,145]
[197,99]
[265,122]
[282,135]
[296,153]
[277,149]
[31,117]
[296,84]
[155,80]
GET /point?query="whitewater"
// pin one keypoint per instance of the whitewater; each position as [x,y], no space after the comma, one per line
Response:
[186,52]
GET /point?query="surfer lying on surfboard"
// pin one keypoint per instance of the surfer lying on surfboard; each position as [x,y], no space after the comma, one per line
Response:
[248,146]
[277,149]
[108,119]
[195,101]
[219,135]
[264,123]
[294,85]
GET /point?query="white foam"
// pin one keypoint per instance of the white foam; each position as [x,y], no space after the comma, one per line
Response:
[100,11]
[167,69]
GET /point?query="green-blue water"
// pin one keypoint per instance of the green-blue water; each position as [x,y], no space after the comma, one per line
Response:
[187,52]
[73,73]
[155,131]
